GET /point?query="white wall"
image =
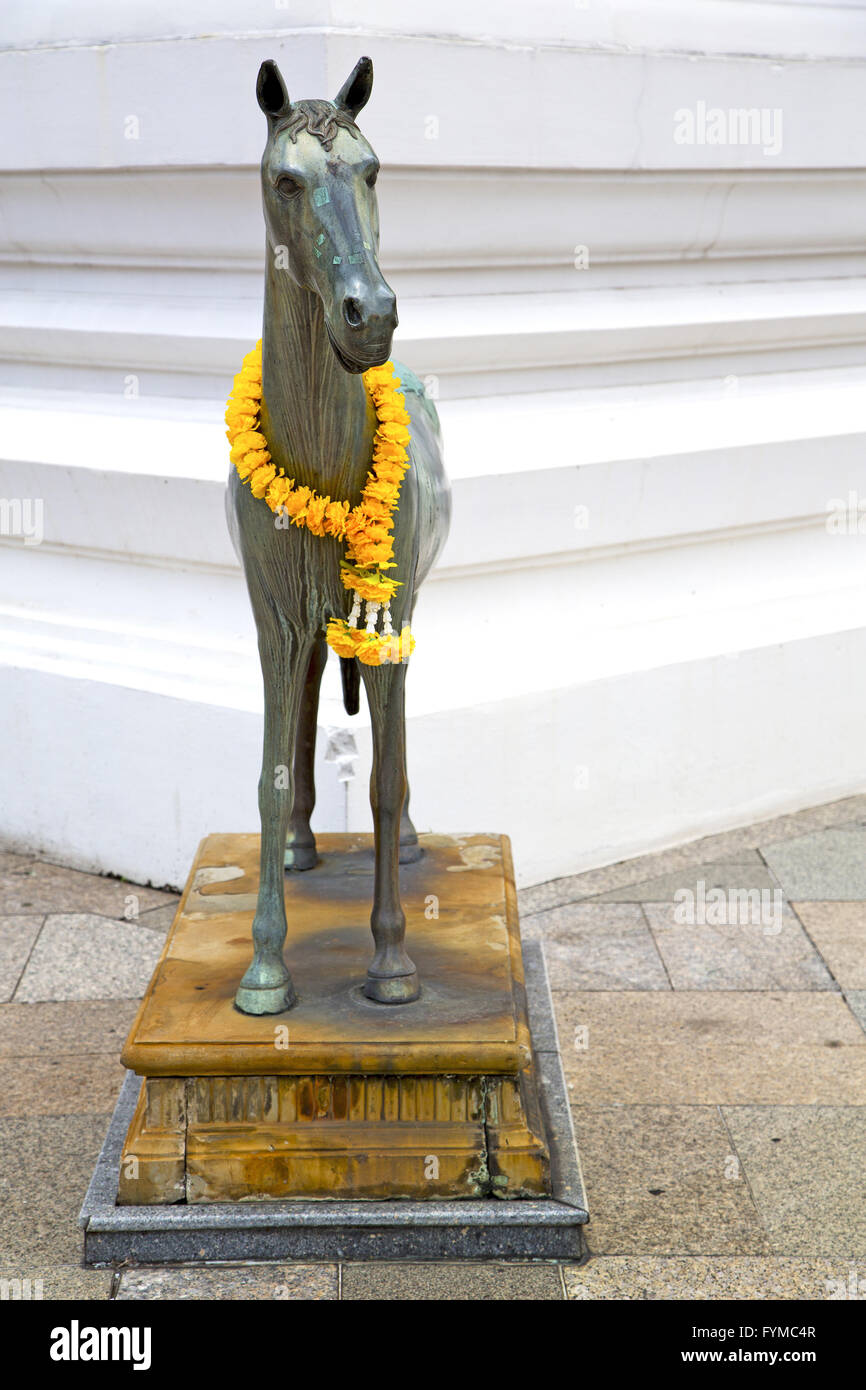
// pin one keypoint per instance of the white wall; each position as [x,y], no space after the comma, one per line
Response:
[641,628]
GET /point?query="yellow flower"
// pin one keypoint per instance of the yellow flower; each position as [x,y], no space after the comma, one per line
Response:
[316,514]
[335,519]
[385,452]
[261,479]
[368,652]
[256,458]
[394,414]
[249,439]
[245,386]
[278,492]
[380,491]
[238,424]
[338,637]
[378,588]
[379,376]
[389,472]
[393,434]
[296,504]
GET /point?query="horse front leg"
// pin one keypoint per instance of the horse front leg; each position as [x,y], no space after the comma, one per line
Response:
[267,987]
[301,845]
[391,976]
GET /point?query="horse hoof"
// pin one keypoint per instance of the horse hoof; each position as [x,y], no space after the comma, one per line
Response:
[411,852]
[301,857]
[400,989]
[275,999]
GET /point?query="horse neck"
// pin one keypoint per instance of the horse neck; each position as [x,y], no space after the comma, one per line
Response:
[316,417]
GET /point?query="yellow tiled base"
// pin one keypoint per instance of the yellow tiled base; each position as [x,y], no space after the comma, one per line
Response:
[339,1097]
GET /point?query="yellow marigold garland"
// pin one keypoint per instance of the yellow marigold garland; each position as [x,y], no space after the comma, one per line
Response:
[367,529]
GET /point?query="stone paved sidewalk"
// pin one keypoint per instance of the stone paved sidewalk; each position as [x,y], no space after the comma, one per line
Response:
[711,1002]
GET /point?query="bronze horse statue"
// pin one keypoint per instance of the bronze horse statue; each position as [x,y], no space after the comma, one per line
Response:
[328,317]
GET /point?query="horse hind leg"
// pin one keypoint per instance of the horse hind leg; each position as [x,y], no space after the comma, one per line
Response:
[301,842]
[410,849]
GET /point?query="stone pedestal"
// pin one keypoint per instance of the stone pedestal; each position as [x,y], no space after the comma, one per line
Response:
[339,1097]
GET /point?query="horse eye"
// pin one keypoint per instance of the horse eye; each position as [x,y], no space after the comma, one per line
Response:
[288,187]
[372,177]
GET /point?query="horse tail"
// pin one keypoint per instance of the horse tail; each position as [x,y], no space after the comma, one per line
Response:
[351,679]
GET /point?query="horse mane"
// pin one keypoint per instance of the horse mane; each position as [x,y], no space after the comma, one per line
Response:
[320,118]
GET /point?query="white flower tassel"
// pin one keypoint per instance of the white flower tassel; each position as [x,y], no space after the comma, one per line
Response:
[390,647]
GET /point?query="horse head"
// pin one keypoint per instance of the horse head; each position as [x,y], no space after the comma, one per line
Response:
[321,213]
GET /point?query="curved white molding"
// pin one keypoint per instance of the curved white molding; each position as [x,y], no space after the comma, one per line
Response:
[485,103]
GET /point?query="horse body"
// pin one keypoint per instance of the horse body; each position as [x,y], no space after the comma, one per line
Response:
[328,316]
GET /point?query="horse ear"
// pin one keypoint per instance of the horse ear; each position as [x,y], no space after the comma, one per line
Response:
[355,91]
[271,90]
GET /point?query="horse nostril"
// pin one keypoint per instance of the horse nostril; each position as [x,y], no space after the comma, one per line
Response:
[352,313]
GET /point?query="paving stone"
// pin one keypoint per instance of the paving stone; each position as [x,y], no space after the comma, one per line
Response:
[827,865]
[805,1167]
[36,887]
[856,1001]
[772,953]
[540,896]
[797,823]
[595,882]
[590,946]
[664,1180]
[452,1282]
[52,1282]
[158,918]
[734,1277]
[55,1085]
[40,1030]
[838,929]
[730,844]
[46,1163]
[741,876]
[82,956]
[17,935]
[247,1282]
[720,1075]
[710,1047]
[684,1020]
